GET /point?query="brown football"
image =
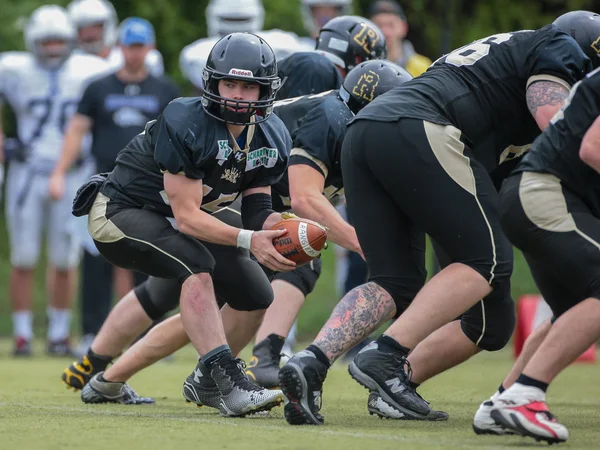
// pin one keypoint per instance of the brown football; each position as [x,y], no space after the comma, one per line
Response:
[303,241]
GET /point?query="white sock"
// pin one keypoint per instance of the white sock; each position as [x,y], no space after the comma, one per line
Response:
[23,324]
[59,324]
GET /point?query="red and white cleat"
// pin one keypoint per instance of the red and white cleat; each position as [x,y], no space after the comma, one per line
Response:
[529,418]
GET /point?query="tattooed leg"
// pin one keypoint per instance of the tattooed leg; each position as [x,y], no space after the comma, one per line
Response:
[358,314]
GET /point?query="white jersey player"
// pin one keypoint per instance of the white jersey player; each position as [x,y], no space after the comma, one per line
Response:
[229,16]
[96,22]
[43,87]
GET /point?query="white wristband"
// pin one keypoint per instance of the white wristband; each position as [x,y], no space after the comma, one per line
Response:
[244,239]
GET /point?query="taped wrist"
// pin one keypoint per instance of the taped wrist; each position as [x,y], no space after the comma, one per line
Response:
[255,210]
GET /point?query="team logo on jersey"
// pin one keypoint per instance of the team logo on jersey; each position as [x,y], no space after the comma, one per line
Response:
[265,157]
[239,156]
[596,45]
[224,150]
[367,37]
[241,73]
[365,86]
[231,175]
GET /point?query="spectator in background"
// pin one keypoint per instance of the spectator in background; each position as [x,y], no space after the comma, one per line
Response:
[114,108]
[390,18]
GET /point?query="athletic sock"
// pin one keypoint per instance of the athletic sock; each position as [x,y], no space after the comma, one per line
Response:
[388,344]
[23,324]
[98,362]
[59,324]
[414,385]
[276,342]
[212,356]
[501,389]
[528,381]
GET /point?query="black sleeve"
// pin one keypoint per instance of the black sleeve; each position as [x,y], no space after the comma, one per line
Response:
[314,143]
[583,105]
[87,104]
[176,149]
[559,57]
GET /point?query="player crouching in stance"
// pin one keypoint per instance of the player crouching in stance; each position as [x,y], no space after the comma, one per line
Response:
[550,209]
[196,158]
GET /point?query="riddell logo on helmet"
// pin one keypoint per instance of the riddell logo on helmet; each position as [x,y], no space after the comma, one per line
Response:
[241,73]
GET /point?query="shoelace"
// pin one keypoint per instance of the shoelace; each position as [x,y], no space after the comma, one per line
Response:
[235,369]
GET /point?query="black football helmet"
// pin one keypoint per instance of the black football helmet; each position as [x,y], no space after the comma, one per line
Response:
[584,27]
[370,79]
[350,40]
[246,57]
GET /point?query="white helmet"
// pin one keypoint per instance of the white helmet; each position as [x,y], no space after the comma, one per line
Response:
[230,16]
[50,22]
[344,8]
[85,13]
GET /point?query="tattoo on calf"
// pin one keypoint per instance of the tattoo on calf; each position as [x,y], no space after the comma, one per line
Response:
[358,314]
[543,93]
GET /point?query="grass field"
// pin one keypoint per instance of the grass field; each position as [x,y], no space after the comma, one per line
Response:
[37,412]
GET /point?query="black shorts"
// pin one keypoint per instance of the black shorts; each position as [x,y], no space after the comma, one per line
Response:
[304,277]
[407,177]
[558,234]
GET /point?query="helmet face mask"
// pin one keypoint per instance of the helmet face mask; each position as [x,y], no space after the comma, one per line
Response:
[247,58]
[370,79]
[350,40]
[96,23]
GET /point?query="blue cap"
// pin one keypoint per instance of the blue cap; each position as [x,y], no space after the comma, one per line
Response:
[136,30]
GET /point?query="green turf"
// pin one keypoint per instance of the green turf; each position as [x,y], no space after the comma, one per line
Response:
[37,412]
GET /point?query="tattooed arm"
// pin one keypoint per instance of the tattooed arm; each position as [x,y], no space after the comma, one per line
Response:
[358,314]
[544,98]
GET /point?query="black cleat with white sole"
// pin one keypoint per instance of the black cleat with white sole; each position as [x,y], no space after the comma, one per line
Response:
[200,388]
[99,390]
[384,373]
[301,380]
[378,406]
[239,396]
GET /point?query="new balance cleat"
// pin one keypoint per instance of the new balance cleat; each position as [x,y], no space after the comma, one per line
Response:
[200,388]
[239,396]
[384,373]
[378,406]
[22,347]
[102,391]
[302,380]
[523,410]
[483,422]
[264,365]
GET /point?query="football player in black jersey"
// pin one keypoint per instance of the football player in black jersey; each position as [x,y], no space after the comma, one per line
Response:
[550,209]
[196,158]
[417,160]
[156,297]
[343,43]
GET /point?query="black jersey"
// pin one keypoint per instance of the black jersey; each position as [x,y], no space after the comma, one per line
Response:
[556,151]
[317,124]
[480,89]
[305,73]
[186,140]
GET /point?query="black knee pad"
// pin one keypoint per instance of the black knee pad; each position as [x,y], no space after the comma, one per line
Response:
[304,277]
[158,296]
[490,323]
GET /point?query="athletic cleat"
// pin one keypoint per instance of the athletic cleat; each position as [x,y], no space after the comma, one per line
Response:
[264,365]
[529,418]
[22,347]
[483,422]
[60,348]
[302,380]
[385,374]
[239,396]
[200,388]
[378,406]
[101,391]
[78,374]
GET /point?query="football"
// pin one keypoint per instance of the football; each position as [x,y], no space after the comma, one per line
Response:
[303,242]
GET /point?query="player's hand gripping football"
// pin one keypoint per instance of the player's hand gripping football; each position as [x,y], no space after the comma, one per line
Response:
[263,249]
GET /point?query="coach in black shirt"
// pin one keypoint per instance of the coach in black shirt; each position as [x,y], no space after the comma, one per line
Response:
[114,109]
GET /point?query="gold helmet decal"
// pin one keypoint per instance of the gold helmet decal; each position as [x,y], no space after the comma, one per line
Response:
[367,37]
[365,87]
[596,45]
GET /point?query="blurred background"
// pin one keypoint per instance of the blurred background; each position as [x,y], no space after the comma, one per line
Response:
[435,27]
